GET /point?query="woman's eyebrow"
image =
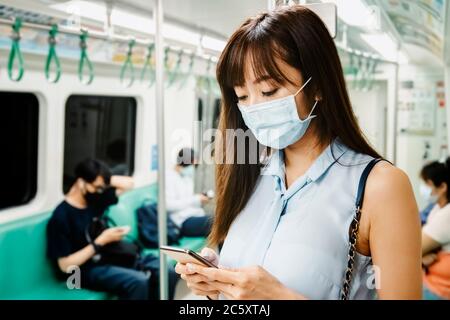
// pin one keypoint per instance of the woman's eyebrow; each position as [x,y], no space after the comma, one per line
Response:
[261,79]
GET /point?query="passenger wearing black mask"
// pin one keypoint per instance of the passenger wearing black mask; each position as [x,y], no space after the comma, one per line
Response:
[67,246]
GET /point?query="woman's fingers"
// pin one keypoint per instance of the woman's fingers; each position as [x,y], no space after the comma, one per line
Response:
[195,278]
[204,281]
[202,289]
[213,274]
[205,293]
[181,268]
[228,290]
[210,255]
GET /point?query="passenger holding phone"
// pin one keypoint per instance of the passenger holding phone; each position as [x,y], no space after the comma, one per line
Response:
[183,205]
[288,219]
[67,246]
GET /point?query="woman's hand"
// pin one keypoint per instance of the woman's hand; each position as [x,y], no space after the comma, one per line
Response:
[252,283]
[198,283]
[429,259]
[204,200]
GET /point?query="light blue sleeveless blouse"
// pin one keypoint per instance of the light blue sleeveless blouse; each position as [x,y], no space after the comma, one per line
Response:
[301,235]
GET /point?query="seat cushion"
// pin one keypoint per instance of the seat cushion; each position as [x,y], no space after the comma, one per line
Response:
[59,291]
[25,271]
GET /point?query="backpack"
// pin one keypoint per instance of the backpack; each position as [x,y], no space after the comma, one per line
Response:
[148,227]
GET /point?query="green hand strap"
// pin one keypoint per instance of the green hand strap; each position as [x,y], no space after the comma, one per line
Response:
[174,73]
[148,66]
[207,78]
[128,66]
[15,52]
[84,61]
[52,56]
[371,76]
[166,58]
[188,72]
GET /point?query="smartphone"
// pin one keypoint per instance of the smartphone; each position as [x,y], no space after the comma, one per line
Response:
[186,256]
[210,194]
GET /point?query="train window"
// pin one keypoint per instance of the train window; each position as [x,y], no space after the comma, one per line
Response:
[19,146]
[99,127]
[200,110]
[216,115]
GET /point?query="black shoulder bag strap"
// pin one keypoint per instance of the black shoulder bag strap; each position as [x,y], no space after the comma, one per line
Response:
[354,228]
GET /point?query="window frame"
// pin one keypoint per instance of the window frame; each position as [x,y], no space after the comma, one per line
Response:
[38,139]
[135,128]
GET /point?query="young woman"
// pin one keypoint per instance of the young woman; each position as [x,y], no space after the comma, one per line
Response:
[436,232]
[285,224]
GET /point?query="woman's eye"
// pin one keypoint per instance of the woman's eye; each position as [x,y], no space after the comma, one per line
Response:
[270,93]
[242,98]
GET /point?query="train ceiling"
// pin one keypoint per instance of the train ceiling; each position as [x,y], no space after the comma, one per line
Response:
[419,25]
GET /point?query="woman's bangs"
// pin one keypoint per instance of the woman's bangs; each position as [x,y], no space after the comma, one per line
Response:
[259,56]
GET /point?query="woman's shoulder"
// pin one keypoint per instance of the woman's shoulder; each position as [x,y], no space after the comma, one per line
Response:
[386,178]
[387,185]
[389,192]
[386,182]
[383,170]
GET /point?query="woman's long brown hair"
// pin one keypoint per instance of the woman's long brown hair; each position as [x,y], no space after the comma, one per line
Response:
[298,37]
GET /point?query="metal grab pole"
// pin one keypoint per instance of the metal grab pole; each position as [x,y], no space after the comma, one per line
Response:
[396,99]
[162,214]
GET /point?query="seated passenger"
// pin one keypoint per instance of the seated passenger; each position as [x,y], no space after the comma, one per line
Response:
[430,200]
[185,207]
[67,245]
[436,232]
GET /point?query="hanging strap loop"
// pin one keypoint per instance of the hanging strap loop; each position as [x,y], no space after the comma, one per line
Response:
[373,70]
[15,52]
[359,74]
[166,58]
[148,65]
[128,66]
[175,72]
[52,56]
[84,61]
[188,72]
[204,82]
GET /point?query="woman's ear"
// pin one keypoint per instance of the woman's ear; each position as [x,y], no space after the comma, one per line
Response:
[444,187]
[318,97]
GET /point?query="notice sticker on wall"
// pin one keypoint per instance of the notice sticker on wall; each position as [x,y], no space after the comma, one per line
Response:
[154,158]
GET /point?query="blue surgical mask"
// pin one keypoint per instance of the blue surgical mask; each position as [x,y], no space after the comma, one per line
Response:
[426,193]
[276,123]
[187,172]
